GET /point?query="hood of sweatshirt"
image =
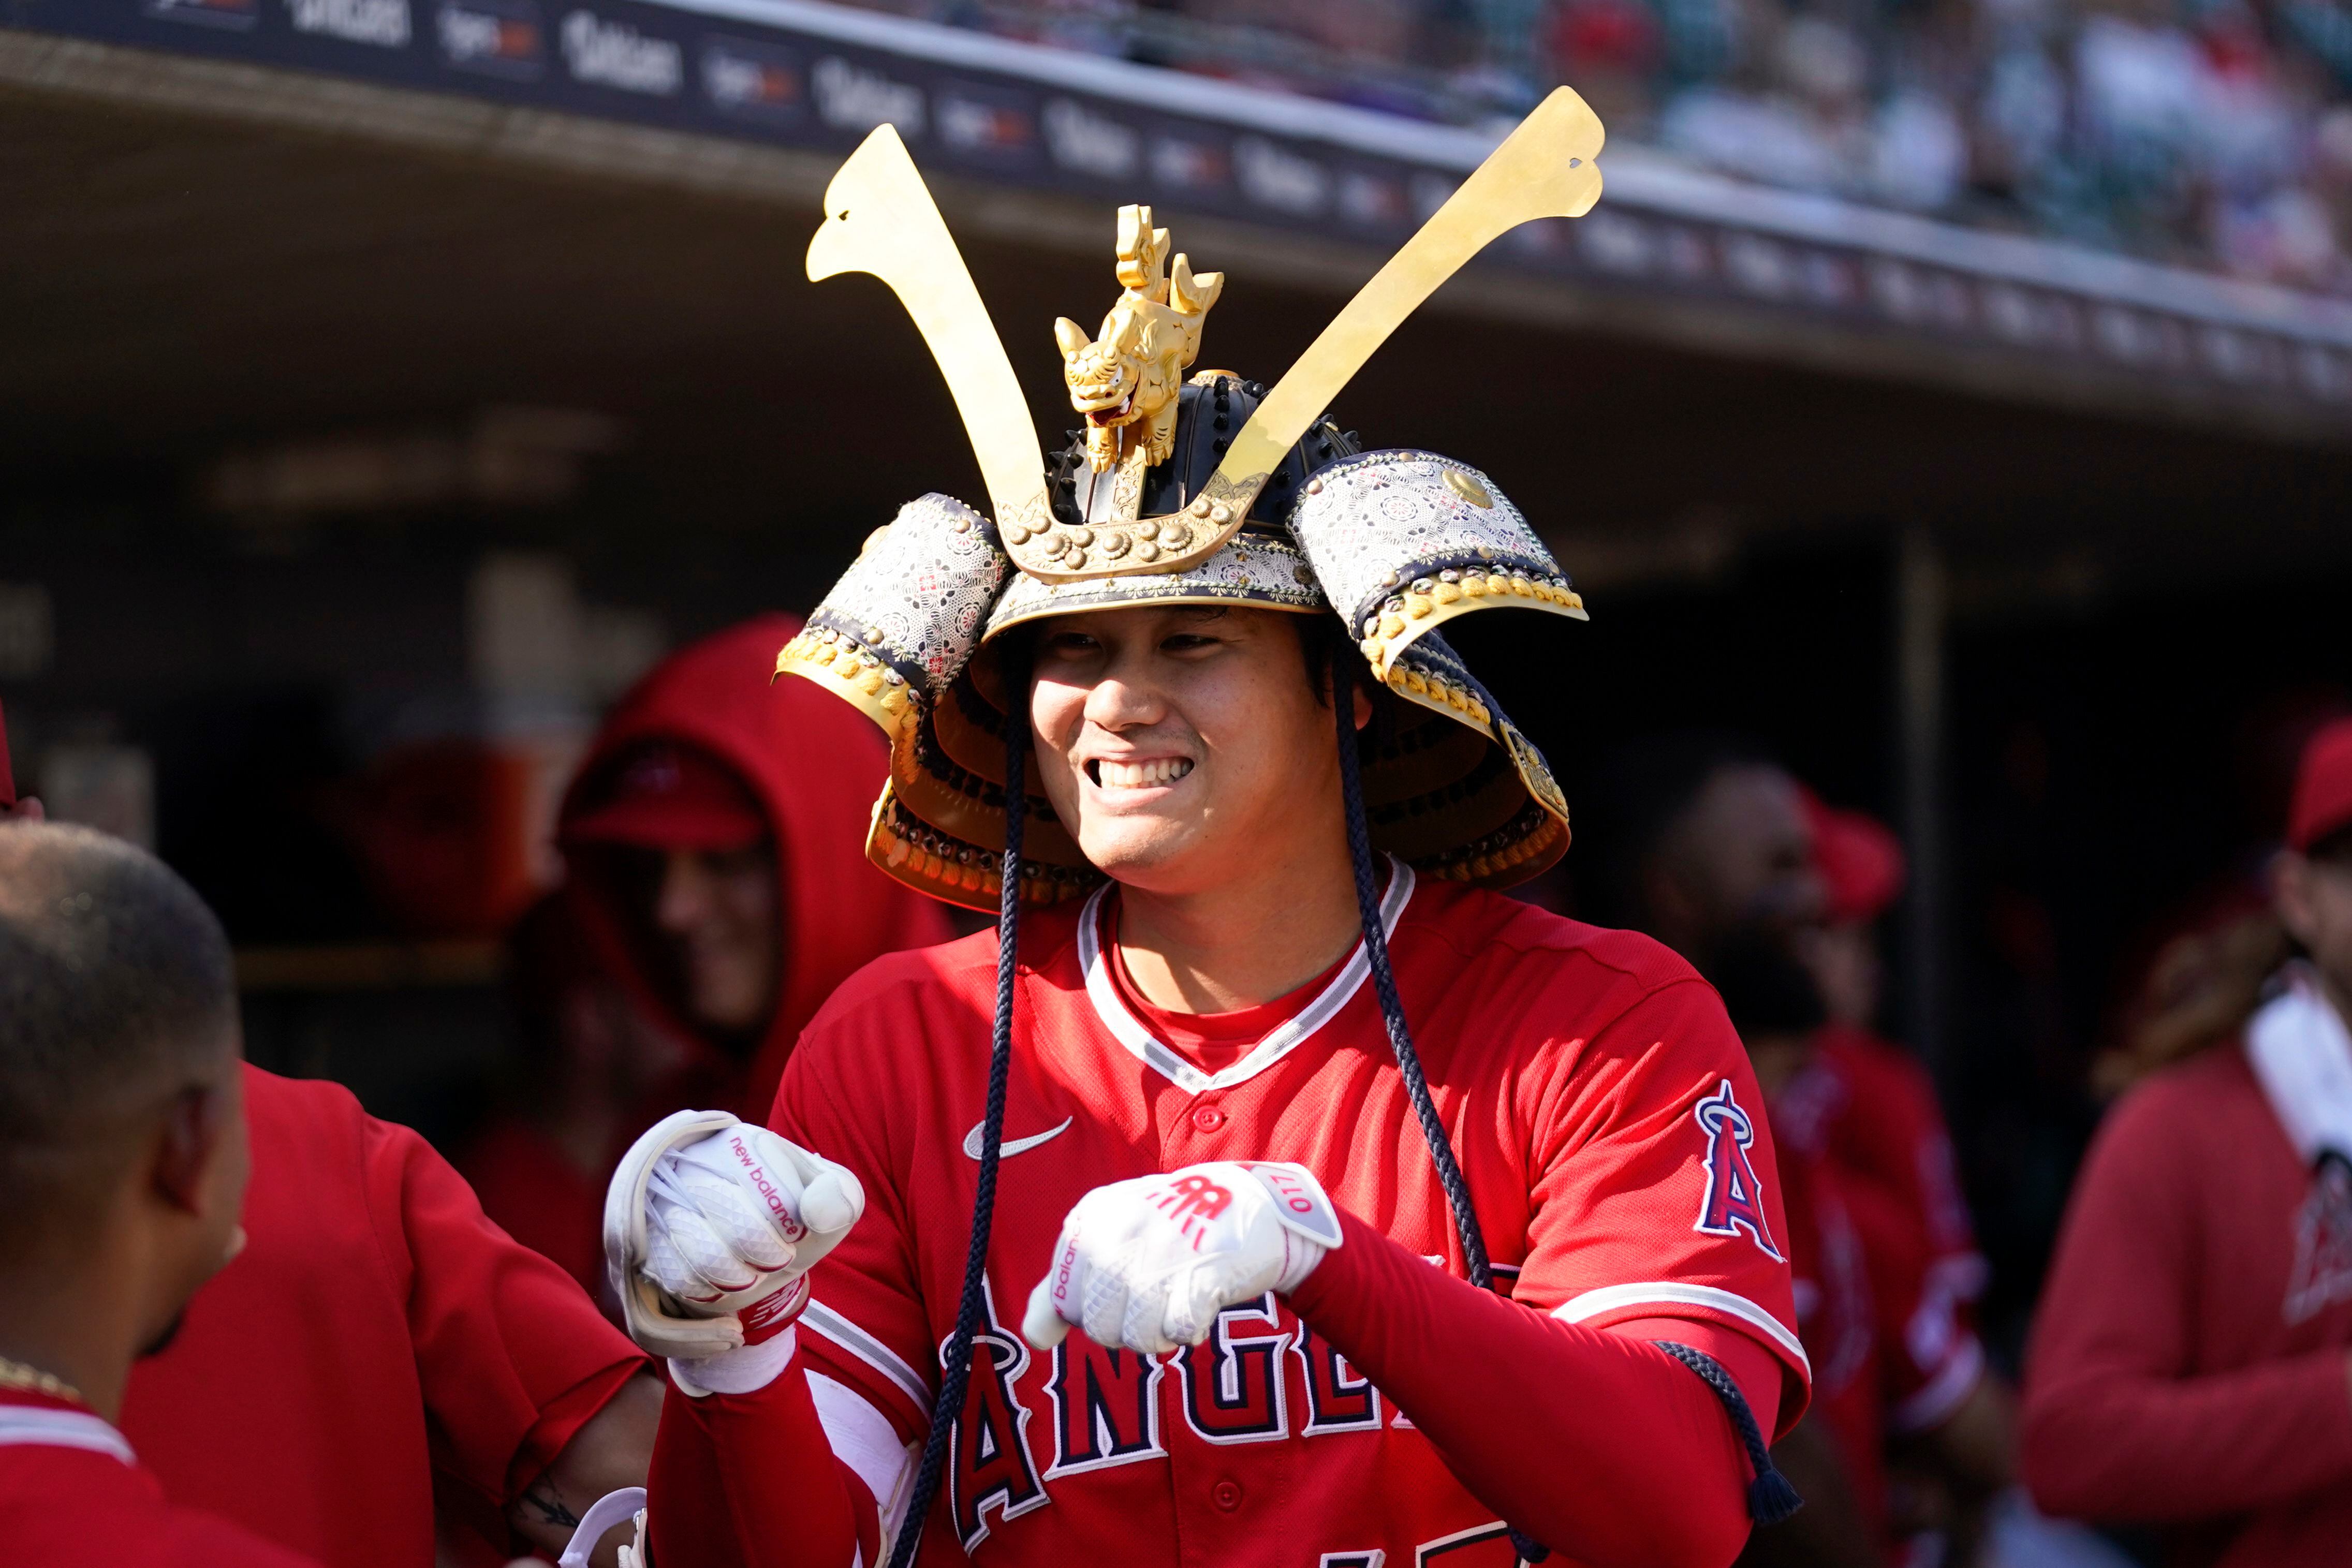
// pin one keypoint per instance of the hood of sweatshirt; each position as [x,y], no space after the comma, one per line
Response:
[809,765]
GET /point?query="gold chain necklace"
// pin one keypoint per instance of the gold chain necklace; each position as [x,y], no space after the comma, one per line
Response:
[17,1375]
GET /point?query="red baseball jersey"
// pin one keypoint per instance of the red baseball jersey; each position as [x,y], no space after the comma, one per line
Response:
[1886,1126]
[2187,1364]
[1603,1111]
[376,1333]
[1851,1113]
[72,1495]
[1837,1315]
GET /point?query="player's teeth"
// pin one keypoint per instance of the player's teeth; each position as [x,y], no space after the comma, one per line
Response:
[1140,775]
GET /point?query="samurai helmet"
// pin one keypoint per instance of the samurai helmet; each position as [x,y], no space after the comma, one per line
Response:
[1190,488]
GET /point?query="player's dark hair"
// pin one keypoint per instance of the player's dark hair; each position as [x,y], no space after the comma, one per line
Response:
[116,986]
[1643,790]
[1330,655]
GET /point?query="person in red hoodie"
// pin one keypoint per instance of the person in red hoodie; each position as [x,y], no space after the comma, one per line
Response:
[122,1170]
[715,840]
[2191,1365]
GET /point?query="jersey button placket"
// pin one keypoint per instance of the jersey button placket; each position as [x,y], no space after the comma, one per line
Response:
[1226,1494]
[1207,1118]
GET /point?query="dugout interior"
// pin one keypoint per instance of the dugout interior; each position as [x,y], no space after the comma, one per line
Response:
[323,428]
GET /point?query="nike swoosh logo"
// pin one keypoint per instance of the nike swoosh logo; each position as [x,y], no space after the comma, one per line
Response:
[1012,1147]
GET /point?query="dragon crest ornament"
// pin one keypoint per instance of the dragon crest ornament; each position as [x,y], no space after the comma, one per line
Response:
[1125,378]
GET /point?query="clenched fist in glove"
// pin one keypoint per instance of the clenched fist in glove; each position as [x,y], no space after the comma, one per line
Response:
[711,1225]
[1147,1264]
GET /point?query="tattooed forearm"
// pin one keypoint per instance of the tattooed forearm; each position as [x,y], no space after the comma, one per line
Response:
[543,1505]
[613,1450]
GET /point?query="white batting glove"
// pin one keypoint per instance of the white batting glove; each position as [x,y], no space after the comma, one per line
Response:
[711,1225]
[1147,1264]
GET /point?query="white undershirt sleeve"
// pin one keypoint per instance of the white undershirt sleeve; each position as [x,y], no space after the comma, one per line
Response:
[864,1439]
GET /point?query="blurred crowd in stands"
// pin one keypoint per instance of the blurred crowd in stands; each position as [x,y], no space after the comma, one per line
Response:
[2215,133]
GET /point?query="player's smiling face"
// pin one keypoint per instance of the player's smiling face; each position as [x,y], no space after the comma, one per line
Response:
[1178,741]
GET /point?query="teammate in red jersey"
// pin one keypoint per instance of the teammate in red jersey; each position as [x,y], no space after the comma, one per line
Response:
[1326,1207]
[1707,847]
[1869,1106]
[1882,1121]
[122,1169]
[380,1347]
[1718,851]
[2192,1363]
[712,835]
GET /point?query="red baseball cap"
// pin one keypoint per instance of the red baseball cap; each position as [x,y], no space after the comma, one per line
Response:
[1859,860]
[2323,786]
[664,795]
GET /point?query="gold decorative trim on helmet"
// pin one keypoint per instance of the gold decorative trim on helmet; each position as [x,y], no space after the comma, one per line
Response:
[1432,675]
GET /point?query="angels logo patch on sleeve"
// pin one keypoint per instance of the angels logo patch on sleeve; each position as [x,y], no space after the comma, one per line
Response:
[1735,1198]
